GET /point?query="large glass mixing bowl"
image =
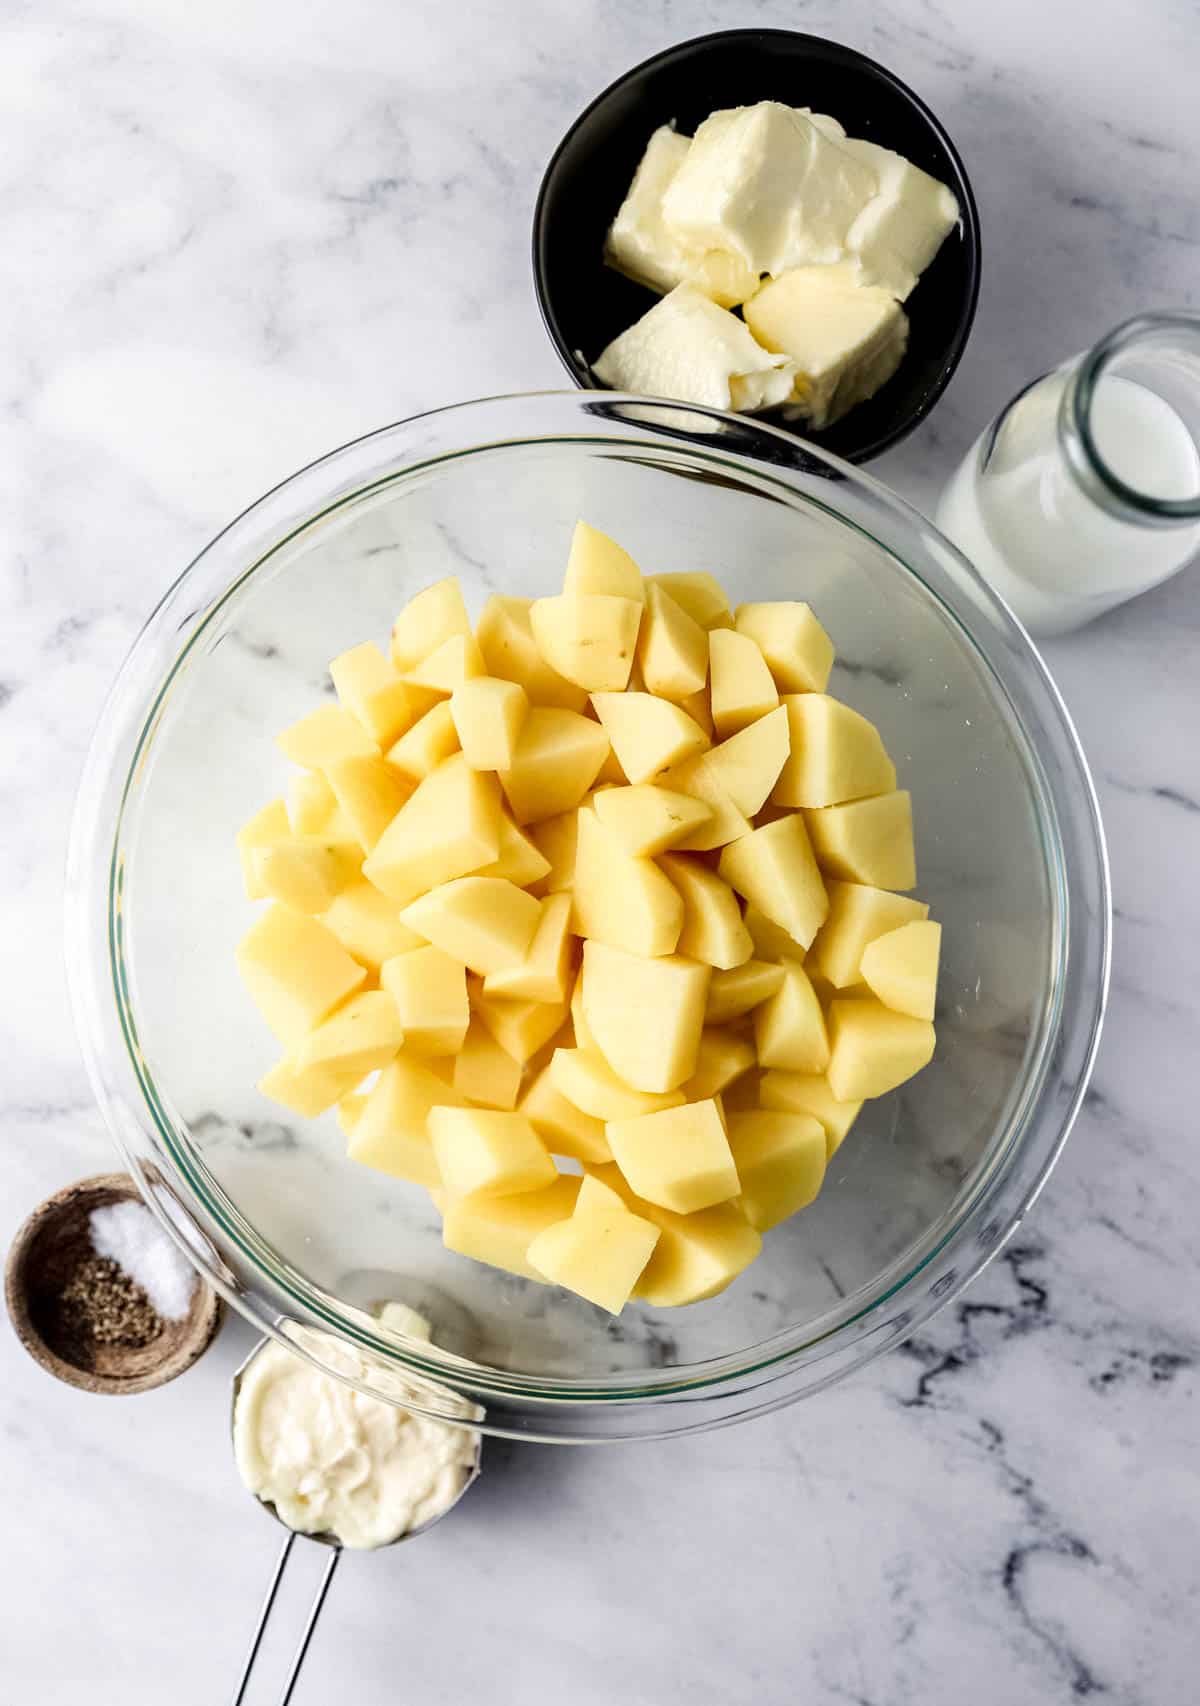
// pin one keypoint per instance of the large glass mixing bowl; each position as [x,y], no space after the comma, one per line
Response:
[932,1179]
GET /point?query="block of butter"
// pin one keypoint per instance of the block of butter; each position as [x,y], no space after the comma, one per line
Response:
[905,223]
[846,339]
[768,184]
[688,348]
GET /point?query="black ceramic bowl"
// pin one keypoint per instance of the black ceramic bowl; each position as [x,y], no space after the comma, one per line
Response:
[584,303]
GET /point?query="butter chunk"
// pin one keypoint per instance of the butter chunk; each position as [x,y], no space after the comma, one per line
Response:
[904,224]
[688,348]
[845,339]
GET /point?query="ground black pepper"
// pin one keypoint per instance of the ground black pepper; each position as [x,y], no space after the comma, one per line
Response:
[97,1304]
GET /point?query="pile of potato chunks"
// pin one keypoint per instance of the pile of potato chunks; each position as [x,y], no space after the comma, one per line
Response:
[609,878]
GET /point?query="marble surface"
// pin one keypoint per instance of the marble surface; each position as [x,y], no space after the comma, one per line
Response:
[238,234]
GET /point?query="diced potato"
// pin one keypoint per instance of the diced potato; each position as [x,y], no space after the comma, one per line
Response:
[770,941]
[625,902]
[368,925]
[697,1255]
[310,804]
[432,739]
[505,637]
[520,1027]
[360,1037]
[808,1093]
[349,1109]
[295,970]
[599,1252]
[455,661]
[489,1153]
[487,923]
[672,648]
[678,1158]
[780,1159]
[325,734]
[306,1090]
[610,775]
[836,755]
[304,872]
[740,989]
[872,1049]
[370,793]
[598,564]
[712,919]
[857,915]
[489,714]
[555,839]
[371,689]
[590,1084]
[435,615]
[556,761]
[721,1058]
[647,734]
[449,827]
[499,1230]
[588,637]
[789,1027]
[266,827]
[562,1127]
[747,765]
[774,868]
[741,687]
[700,594]
[646,820]
[428,989]
[545,972]
[694,776]
[742,1095]
[867,841]
[644,1015]
[579,1024]
[391,1133]
[798,651]
[518,859]
[901,967]
[484,1072]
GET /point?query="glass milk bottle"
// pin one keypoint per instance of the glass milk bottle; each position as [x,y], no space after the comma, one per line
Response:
[1085,490]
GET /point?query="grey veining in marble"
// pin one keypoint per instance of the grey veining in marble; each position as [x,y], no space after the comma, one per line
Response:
[235,235]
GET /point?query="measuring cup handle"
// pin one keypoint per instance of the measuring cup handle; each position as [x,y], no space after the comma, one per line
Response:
[264,1618]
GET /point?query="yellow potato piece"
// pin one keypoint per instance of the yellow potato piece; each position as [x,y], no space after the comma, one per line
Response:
[369,793]
[625,902]
[545,972]
[325,734]
[499,1230]
[489,1153]
[554,838]
[809,1093]
[484,1072]
[295,970]
[780,1160]
[721,1058]
[363,1035]
[589,1083]
[697,1255]
[774,869]
[348,1110]
[432,739]
[521,1028]
[368,925]
[712,919]
[678,1158]
[648,734]
[770,941]
[562,1127]
[434,616]
[740,989]
[307,1091]
[509,650]
[449,827]
[789,1027]
[310,804]
[485,922]
[518,859]
[748,764]
[556,761]
[857,914]
[371,690]
[700,594]
[836,755]
[726,823]
[598,564]
[579,1024]
[798,651]
[872,1049]
[304,872]
[489,714]
[699,708]
[588,637]
[901,967]
[867,841]
[644,1015]
[646,820]
[599,1252]
[428,989]
[672,648]
[455,661]
[741,687]
[391,1133]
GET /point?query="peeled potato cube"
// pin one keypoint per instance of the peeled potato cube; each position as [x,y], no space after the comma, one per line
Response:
[588,1082]
[449,827]
[774,868]
[487,1152]
[836,755]
[872,1049]
[360,1037]
[325,734]
[771,942]
[809,1093]
[371,690]
[310,805]
[370,793]
[598,564]
[694,776]
[588,637]
[700,594]
[625,902]
[867,841]
[647,734]
[742,1095]
[391,1133]
[678,1158]
[557,757]
[428,743]
[349,1109]
[797,650]
[448,666]
[521,1028]
[295,970]
[579,1024]
[857,915]
[901,968]
[562,1127]
[780,1159]
[740,989]
[487,923]
[435,615]
[505,637]
[741,687]
[428,989]
[555,839]
[489,715]
[747,765]
[499,1230]
[545,972]
[304,872]
[697,1255]
[306,1090]
[484,1072]
[368,925]
[672,648]
[721,1058]
[518,860]
[646,820]
[699,708]
[644,1015]
[789,1027]
[712,919]
[600,1252]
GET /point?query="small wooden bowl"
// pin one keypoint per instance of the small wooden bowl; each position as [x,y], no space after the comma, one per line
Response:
[46,1249]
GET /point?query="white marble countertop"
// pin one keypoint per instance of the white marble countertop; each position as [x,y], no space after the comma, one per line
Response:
[235,235]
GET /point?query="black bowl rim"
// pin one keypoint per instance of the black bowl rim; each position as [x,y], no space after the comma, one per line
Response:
[966,198]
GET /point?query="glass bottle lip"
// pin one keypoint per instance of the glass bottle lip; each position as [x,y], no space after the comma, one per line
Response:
[1075,423]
